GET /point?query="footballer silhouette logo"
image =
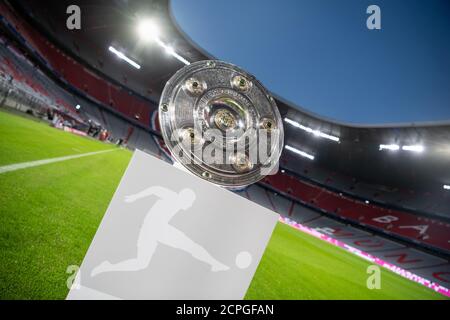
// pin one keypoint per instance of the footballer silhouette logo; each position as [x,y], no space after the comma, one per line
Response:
[156,229]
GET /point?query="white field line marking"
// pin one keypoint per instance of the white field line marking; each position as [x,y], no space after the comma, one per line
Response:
[24,165]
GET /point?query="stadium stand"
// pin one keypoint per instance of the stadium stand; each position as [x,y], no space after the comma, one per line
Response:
[25,82]
[24,86]
[394,222]
[79,77]
[423,264]
[425,202]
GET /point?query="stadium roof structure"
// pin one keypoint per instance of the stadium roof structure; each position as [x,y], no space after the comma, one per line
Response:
[413,157]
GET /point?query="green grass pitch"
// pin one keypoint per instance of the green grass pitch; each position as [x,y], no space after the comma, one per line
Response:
[49,215]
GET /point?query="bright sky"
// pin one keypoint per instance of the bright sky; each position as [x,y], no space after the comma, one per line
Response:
[320,55]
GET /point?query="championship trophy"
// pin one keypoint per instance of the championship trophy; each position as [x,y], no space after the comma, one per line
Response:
[221,124]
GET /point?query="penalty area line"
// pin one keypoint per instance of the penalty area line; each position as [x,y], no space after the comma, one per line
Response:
[25,165]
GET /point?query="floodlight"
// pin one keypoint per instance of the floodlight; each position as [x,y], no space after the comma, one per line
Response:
[300,152]
[413,148]
[169,50]
[122,56]
[148,30]
[392,147]
[315,132]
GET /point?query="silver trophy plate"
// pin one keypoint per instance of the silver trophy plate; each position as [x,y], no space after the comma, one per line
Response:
[221,124]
